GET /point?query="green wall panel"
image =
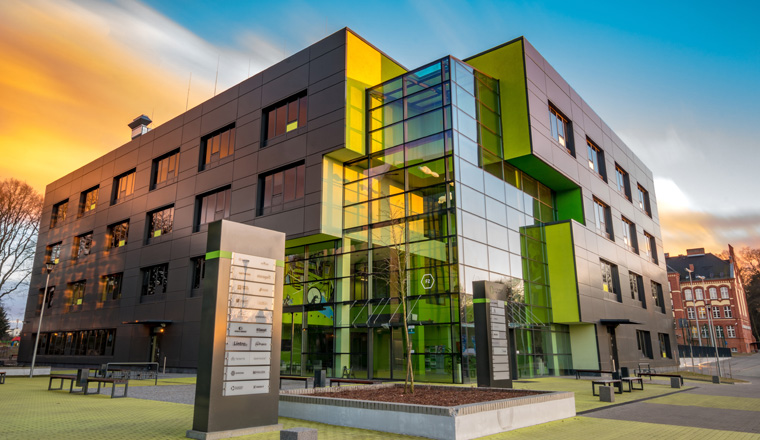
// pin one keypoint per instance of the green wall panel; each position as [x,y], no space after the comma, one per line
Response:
[561,266]
[584,349]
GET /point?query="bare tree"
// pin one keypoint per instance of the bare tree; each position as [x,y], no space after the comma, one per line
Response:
[20,210]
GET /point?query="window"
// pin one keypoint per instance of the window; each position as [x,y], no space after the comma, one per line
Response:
[724,292]
[112,286]
[285,116]
[88,201]
[657,296]
[154,279]
[637,288]
[212,206]
[48,300]
[123,187]
[690,313]
[664,345]
[561,129]
[713,292]
[687,295]
[715,312]
[730,331]
[160,222]
[705,331]
[77,343]
[610,280]
[198,265]
[603,219]
[629,236]
[623,182]
[53,253]
[644,201]
[719,332]
[282,187]
[727,312]
[82,245]
[77,292]
[117,234]
[216,146]
[699,293]
[644,343]
[702,313]
[164,170]
[596,159]
[59,213]
[651,248]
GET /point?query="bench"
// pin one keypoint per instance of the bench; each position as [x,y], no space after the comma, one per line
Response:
[304,379]
[356,381]
[600,372]
[606,382]
[106,380]
[631,380]
[2,377]
[70,377]
[643,367]
[662,375]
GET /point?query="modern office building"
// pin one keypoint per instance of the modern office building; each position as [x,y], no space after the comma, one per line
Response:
[707,289]
[486,168]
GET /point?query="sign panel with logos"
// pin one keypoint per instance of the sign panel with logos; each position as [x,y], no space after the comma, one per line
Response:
[495,359]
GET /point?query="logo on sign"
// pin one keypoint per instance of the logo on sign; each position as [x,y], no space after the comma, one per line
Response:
[427,281]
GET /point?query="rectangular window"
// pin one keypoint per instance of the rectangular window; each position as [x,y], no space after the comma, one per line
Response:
[611,281]
[713,292]
[724,292]
[596,159]
[212,206]
[705,331]
[154,279]
[561,129]
[664,345]
[702,313]
[285,116]
[82,245]
[651,250]
[644,344]
[730,331]
[77,292]
[48,300]
[117,234]
[690,313]
[160,222]
[699,293]
[687,295]
[88,201]
[112,286]
[719,332]
[59,213]
[629,236]
[644,201]
[217,146]
[637,288]
[727,312]
[280,188]
[715,311]
[123,187]
[657,297]
[603,219]
[623,181]
[164,170]
[198,265]
[53,253]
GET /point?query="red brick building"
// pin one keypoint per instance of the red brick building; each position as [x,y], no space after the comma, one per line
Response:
[701,284]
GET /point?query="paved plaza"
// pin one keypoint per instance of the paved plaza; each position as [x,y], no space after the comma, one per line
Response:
[700,410]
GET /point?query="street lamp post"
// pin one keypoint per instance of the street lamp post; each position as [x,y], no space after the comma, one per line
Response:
[696,308]
[48,268]
[712,328]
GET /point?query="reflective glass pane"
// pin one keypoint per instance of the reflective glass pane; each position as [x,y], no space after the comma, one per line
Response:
[386,115]
[423,102]
[386,138]
[464,77]
[385,93]
[423,78]
[426,148]
[428,200]
[424,125]
[355,192]
[465,102]
[389,208]
[357,215]
[387,184]
[467,125]
[389,160]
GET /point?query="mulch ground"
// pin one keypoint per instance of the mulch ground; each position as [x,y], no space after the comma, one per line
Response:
[429,395]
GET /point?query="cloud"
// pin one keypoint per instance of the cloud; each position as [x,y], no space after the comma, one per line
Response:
[76,72]
[685,229]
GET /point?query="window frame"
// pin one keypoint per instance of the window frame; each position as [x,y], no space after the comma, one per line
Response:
[651,247]
[197,289]
[156,169]
[205,158]
[76,297]
[150,230]
[58,216]
[86,208]
[299,192]
[112,236]
[115,294]
[198,218]
[688,295]
[596,161]
[730,331]
[630,239]
[129,189]
[603,225]
[49,252]
[658,295]
[555,115]
[77,251]
[146,274]
[715,312]
[612,285]
[644,203]
[621,173]
[724,292]
[644,343]
[727,312]
[301,100]
[691,313]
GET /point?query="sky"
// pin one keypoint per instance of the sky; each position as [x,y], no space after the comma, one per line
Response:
[678,81]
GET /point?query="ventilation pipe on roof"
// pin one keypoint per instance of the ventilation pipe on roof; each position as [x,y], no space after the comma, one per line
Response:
[139,125]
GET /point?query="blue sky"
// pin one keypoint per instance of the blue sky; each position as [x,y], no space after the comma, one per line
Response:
[678,81]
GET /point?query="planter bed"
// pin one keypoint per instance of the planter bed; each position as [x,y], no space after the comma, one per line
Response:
[345,407]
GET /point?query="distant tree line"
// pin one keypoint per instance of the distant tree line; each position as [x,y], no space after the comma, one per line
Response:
[748,270]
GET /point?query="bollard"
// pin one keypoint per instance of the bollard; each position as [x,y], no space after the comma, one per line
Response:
[607,394]
[675,382]
[320,378]
[298,434]
[716,379]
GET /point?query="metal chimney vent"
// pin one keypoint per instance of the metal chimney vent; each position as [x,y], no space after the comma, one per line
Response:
[139,125]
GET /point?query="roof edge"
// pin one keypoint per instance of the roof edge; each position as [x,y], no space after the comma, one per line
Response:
[512,41]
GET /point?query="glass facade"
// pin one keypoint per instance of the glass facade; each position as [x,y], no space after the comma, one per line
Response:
[431,208]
